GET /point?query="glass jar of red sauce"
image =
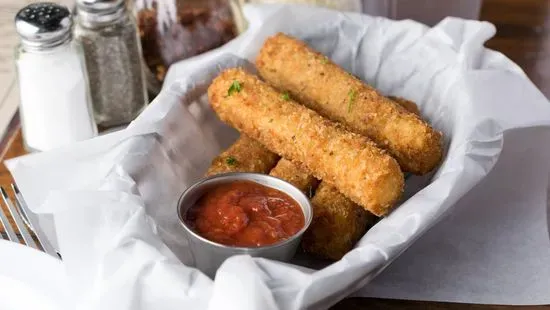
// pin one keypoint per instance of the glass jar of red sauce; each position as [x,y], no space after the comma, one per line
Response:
[243,213]
[174,30]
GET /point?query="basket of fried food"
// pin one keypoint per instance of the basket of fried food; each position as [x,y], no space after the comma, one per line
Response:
[347,146]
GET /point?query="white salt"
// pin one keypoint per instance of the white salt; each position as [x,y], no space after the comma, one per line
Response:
[55,105]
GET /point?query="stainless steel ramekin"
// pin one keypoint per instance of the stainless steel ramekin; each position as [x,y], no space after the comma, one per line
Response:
[210,255]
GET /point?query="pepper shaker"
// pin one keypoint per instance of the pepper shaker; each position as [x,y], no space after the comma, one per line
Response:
[112,50]
[55,106]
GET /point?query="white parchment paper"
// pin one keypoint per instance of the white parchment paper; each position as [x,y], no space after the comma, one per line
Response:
[494,246]
[113,199]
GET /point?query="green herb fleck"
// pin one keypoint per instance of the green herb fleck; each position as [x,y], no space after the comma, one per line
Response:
[352,94]
[325,60]
[285,97]
[231,161]
[235,87]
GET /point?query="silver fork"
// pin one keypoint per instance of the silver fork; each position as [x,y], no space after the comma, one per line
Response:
[22,223]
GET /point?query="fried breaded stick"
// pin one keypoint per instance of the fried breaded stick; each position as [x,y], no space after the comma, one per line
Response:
[310,77]
[295,175]
[245,155]
[406,104]
[350,162]
[337,221]
[337,224]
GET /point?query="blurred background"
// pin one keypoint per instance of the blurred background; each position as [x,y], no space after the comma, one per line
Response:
[171,30]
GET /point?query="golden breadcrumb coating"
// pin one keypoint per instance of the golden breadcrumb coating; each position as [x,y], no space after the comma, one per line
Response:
[245,155]
[350,162]
[290,65]
[296,176]
[337,224]
[406,104]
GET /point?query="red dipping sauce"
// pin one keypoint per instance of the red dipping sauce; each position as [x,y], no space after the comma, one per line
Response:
[245,214]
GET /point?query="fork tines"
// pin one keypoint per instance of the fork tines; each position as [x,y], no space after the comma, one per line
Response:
[20,225]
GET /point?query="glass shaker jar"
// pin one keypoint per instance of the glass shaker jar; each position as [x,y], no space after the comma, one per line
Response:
[112,50]
[55,104]
[173,30]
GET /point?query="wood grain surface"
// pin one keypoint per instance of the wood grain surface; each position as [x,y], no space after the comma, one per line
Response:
[523,34]
[9,93]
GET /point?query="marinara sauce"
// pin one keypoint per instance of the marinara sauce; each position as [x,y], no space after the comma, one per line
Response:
[245,214]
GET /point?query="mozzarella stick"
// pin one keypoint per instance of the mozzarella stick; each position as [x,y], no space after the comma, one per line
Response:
[337,221]
[245,155]
[406,104]
[337,224]
[295,175]
[310,77]
[350,162]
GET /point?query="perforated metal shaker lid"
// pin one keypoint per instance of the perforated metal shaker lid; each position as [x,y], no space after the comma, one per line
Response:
[43,24]
[99,12]
[99,6]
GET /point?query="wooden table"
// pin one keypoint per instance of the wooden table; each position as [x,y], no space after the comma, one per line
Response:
[523,35]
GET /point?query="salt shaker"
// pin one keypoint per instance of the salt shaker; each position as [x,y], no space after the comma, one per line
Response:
[55,106]
[109,36]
